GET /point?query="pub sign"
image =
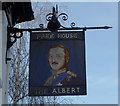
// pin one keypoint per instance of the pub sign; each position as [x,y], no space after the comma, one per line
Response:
[57,63]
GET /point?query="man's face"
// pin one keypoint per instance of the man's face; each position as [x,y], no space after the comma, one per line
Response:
[56,58]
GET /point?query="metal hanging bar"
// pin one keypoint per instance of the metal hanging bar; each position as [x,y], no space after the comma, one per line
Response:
[16,30]
[53,26]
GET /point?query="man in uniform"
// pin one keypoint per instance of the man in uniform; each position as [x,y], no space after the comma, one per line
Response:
[58,58]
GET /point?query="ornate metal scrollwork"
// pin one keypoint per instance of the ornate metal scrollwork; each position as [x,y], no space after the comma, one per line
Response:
[41,26]
[13,35]
[49,16]
[64,16]
[54,24]
[72,25]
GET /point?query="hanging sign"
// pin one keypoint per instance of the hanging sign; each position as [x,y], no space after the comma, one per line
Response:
[57,63]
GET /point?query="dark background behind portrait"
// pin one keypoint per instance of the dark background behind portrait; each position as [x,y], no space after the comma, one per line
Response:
[39,66]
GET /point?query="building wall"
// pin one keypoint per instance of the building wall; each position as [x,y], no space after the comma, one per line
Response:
[3,65]
[0,55]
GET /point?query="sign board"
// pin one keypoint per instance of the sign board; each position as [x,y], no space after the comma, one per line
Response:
[57,63]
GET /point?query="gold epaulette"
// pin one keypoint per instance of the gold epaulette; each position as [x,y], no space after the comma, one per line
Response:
[72,74]
[48,81]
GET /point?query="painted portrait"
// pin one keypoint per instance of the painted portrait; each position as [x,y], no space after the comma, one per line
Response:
[57,63]
[58,59]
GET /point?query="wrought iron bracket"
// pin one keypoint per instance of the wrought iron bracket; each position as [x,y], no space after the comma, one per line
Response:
[53,25]
[12,35]
[15,33]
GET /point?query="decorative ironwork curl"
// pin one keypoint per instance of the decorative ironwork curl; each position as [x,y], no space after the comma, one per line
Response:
[15,36]
[18,35]
[41,26]
[72,25]
[12,38]
[64,16]
[54,24]
[49,16]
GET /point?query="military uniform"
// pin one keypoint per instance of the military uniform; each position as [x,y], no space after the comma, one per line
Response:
[62,77]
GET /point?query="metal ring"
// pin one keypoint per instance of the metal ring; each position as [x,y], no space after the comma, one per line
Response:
[41,26]
[72,24]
